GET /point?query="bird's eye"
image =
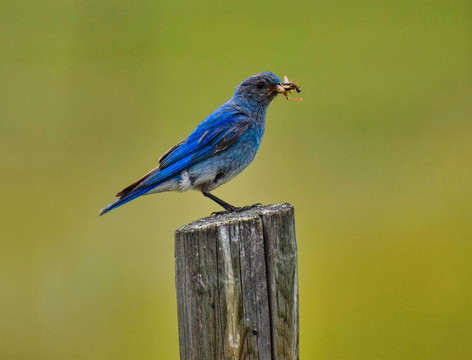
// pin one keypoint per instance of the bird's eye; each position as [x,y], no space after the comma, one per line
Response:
[260,85]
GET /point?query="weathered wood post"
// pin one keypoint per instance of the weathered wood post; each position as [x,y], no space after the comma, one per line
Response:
[237,285]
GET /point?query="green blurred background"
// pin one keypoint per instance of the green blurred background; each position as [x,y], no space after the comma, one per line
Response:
[377,161]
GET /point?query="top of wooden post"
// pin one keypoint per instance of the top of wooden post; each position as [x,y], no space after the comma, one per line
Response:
[217,220]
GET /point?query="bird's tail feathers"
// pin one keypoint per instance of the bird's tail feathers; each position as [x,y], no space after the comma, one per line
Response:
[124,199]
[129,193]
[134,185]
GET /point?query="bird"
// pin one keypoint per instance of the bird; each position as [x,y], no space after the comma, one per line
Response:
[219,148]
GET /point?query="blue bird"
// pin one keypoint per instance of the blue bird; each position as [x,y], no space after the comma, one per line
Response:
[219,148]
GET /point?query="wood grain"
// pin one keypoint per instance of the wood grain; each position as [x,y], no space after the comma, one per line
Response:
[237,285]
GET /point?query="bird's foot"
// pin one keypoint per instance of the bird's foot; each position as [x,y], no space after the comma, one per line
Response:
[235,209]
[219,213]
[244,208]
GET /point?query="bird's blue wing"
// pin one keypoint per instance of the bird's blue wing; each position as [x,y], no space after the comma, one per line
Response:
[209,138]
[215,134]
[201,144]
[208,133]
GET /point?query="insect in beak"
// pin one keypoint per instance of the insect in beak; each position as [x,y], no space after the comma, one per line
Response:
[287,87]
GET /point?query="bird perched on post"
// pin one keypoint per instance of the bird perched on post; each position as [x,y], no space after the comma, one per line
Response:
[219,148]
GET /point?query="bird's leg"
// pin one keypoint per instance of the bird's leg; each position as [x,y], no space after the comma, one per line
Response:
[229,208]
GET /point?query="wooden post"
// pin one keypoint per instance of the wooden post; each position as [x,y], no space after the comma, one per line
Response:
[237,286]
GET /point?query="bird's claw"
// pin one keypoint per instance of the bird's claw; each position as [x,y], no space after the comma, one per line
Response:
[249,207]
[235,209]
[219,213]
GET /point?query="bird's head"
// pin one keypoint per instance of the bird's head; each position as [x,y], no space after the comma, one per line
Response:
[262,88]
